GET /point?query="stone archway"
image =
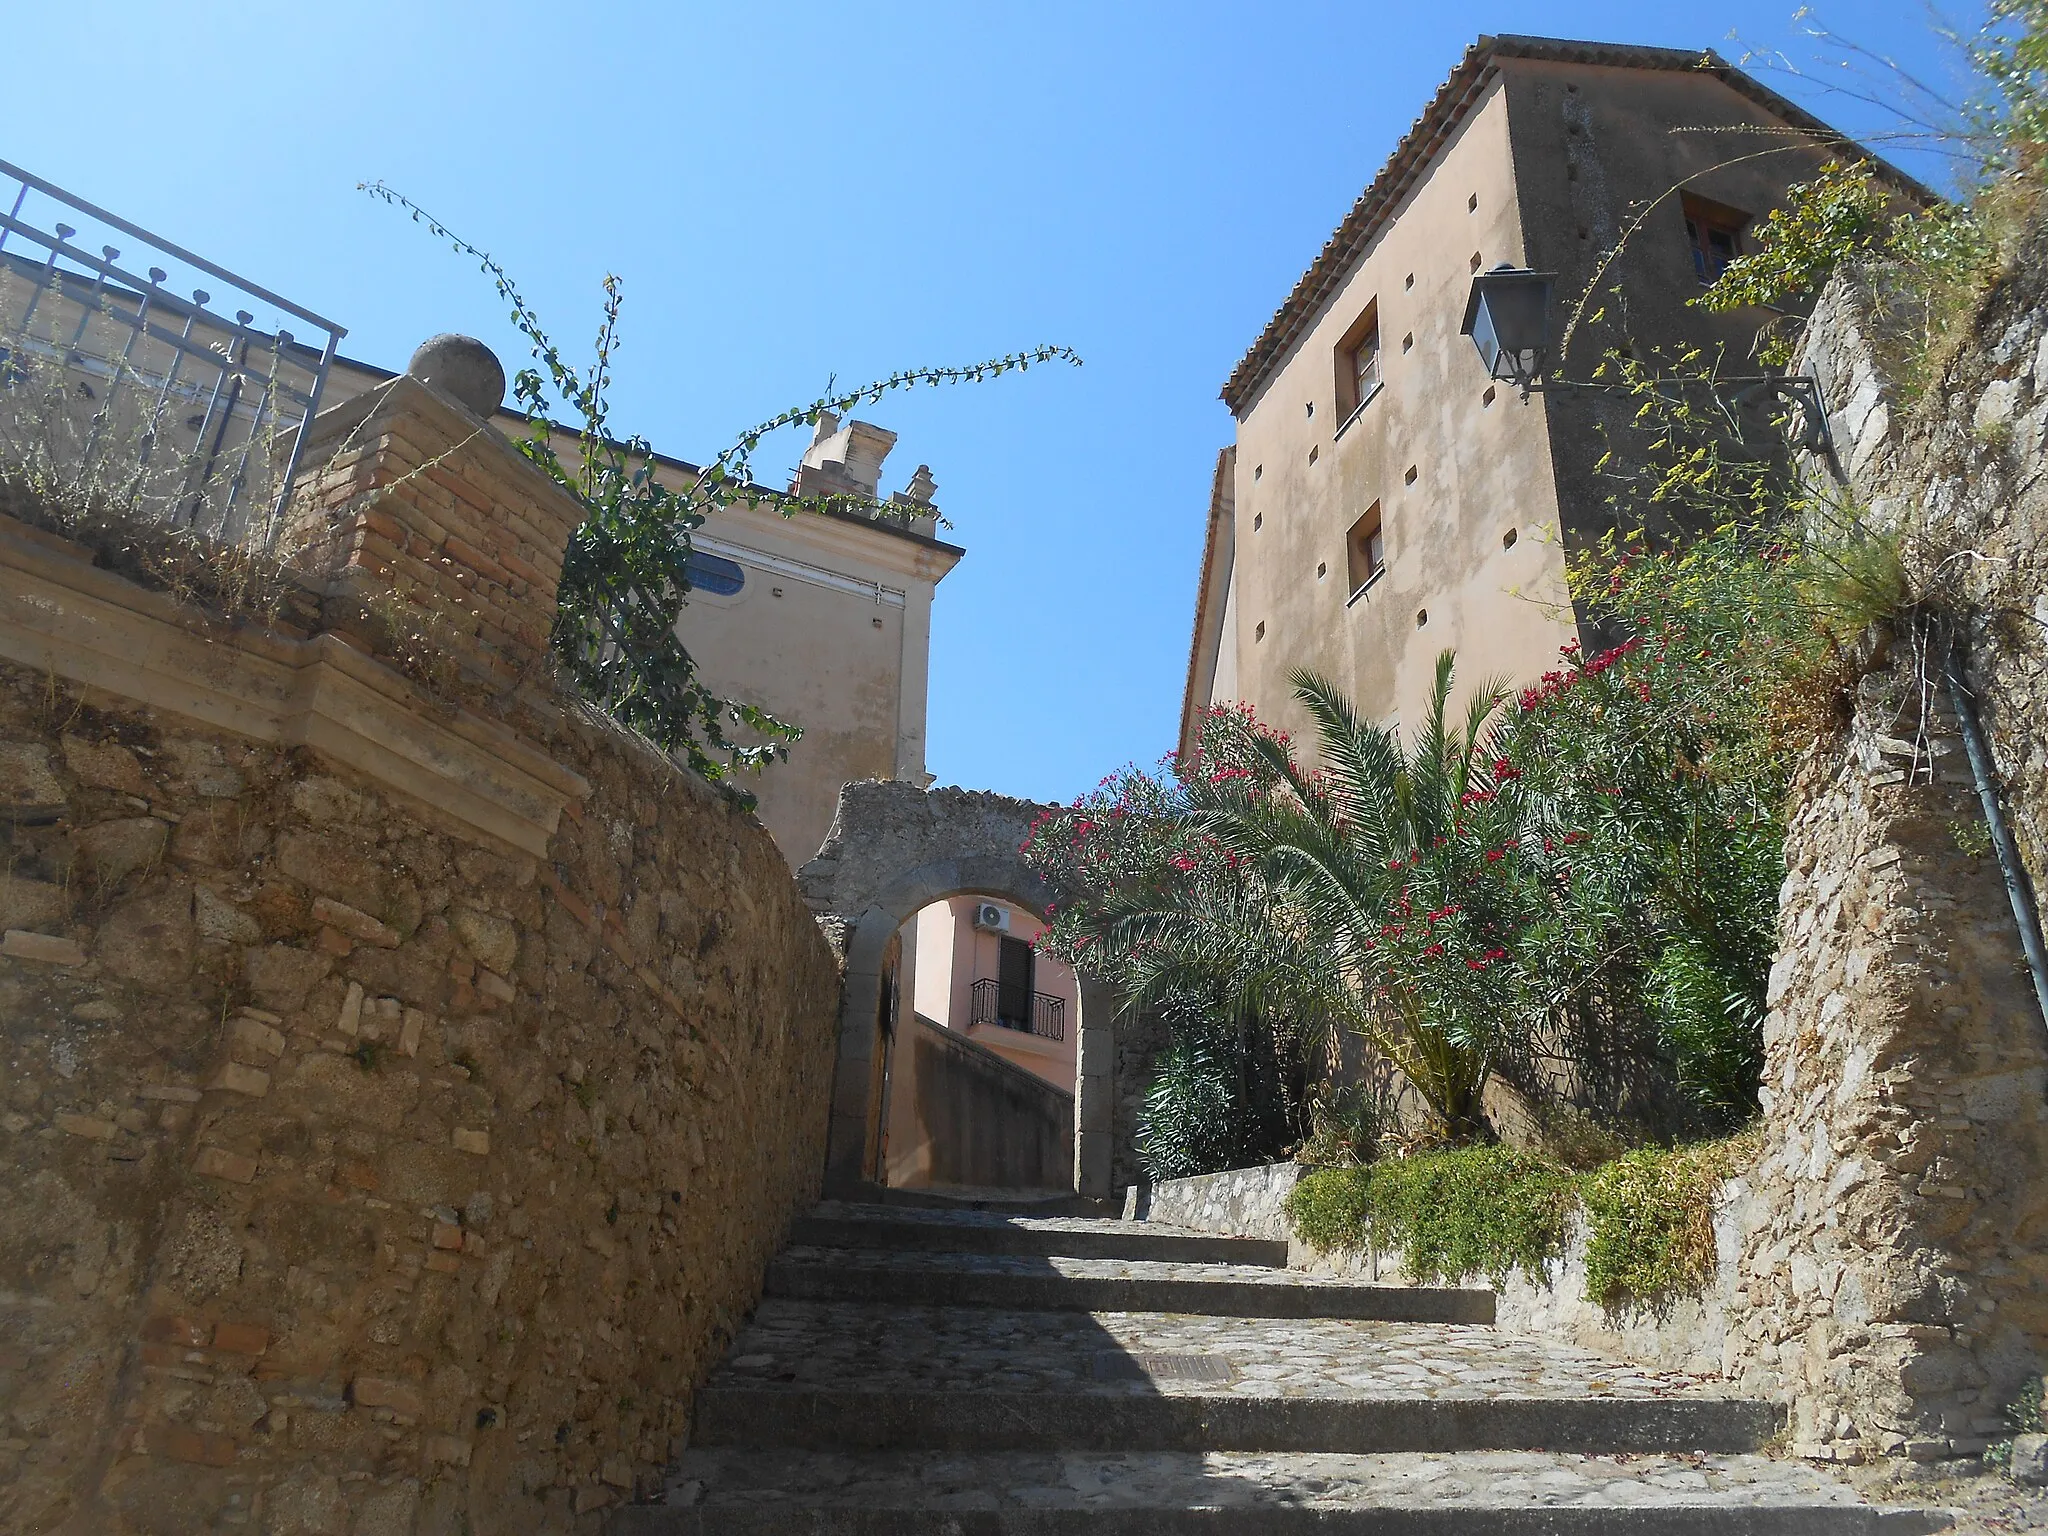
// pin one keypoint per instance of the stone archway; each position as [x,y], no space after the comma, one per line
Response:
[893,850]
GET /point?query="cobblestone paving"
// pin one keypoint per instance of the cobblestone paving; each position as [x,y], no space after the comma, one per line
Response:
[893,1261]
[882,1348]
[1485,1479]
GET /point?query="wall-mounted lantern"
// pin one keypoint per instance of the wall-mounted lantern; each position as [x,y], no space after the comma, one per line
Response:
[1508,319]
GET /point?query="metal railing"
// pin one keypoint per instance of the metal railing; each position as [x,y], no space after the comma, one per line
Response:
[1048,1014]
[118,387]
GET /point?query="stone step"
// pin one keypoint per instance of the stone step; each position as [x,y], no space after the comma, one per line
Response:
[857,1419]
[1018,1283]
[836,1225]
[823,1375]
[963,1198]
[788,1493]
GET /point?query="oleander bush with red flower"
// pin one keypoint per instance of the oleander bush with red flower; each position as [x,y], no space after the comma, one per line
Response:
[1542,884]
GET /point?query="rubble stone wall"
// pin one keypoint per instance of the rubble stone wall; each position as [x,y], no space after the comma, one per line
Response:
[398,1106]
[1892,1242]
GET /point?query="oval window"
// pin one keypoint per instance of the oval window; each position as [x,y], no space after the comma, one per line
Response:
[714,573]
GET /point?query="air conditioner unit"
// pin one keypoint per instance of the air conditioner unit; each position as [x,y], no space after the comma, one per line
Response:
[991,917]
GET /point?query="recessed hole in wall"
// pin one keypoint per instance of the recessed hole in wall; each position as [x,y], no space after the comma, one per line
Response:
[1311,408]
[1259,633]
[1411,281]
[1314,452]
[1421,617]
[1322,569]
[876,622]
[1571,90]
[1475,261]
[1472,203]
[1486,399]
[1584,233]
[1409,478]
[1258,471]
[775,591]
[1408,342]
[1572,129]
[1507,540]
[1258,521]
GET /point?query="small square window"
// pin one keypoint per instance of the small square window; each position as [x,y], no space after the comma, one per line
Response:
[1258,471]
[1714,232]
[1408,342]
[1509,539]
[1365,549]
[1315,452]
[1259,633]
[1258,521]
[1411,281]
[1486,400]
[1409,477]
[1322,569]
[1421,617]
[1472,203]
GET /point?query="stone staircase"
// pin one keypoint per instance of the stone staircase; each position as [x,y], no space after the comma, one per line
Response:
[932,1372]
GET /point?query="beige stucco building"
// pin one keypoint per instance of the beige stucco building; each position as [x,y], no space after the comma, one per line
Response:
[823,618]
[978,971]
[1384,500]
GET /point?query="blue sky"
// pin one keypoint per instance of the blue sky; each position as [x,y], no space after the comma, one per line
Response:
[793,191]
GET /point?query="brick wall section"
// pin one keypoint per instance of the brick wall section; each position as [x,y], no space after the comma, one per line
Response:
[363,1179]
[407,493]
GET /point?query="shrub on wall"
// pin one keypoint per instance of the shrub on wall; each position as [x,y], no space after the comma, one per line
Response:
[1494,1211]
[1651,1221]
[1466,1211]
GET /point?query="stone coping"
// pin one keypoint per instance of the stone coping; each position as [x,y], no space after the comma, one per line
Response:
[61,614]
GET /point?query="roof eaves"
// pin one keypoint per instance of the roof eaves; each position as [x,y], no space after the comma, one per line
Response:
[1222,499]
[668,461]
[1447,109]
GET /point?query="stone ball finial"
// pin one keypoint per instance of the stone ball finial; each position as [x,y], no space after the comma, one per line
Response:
[463,367]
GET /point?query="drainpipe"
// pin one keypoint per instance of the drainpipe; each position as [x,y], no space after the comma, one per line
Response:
[2018,889]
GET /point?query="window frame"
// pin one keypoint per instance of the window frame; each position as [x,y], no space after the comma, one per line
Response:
[1702,218]
[1365,546]
[1353,393]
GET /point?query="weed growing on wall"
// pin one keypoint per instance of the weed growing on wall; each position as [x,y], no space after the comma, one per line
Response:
[625,573]
[1926,267]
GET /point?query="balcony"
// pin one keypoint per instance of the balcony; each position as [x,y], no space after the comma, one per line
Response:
[1048,1014]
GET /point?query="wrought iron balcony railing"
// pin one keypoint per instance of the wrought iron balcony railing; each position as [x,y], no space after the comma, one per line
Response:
[120,390]
[1045,1017]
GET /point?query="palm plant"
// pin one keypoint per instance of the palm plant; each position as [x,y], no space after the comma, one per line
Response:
[1376,894]
[1404,861]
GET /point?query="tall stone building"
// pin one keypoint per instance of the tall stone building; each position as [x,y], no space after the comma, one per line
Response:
[1384,499]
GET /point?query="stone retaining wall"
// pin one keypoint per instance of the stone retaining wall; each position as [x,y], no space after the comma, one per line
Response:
[1685,1334]
[1243,1202]
[398,1105]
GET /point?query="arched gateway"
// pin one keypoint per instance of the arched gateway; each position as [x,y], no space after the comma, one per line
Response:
[893,850]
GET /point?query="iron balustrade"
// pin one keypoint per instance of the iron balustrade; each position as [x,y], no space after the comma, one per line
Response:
[1048,1018]
[136,395]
